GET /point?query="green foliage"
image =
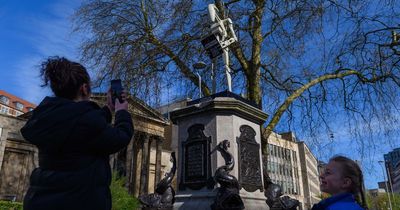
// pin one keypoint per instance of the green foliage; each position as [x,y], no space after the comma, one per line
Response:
[381,202]
[121,200]
[8,205]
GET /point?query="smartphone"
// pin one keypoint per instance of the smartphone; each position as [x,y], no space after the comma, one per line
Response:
[116,90]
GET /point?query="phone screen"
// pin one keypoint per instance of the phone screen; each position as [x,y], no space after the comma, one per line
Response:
[116,90]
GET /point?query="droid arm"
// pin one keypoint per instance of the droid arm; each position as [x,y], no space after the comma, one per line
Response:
[229,23]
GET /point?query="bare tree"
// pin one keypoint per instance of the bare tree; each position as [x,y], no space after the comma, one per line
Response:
[304,61]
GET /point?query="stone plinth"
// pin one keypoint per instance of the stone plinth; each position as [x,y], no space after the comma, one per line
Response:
[201,126]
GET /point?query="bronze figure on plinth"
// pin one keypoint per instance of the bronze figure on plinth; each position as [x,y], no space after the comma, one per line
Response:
[275,200]
[228,197]
[164,196]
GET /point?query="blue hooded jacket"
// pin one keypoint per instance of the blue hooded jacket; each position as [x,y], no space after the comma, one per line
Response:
[344,201]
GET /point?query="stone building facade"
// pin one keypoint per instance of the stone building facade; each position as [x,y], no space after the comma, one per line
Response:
[392,167]
[396,178]
[291,165]
[17,159]
[13,105]
[310,176]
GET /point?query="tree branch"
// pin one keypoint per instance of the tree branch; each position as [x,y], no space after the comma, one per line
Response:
[341,73]
[181,64]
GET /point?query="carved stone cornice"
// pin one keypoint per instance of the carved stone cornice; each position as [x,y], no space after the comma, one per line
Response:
[227,105]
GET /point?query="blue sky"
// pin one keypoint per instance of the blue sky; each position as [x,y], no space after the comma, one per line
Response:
[33,30]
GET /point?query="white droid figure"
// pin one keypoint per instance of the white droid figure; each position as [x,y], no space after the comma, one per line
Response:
[223,31]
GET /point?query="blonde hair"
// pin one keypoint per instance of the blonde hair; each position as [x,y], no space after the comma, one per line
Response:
[352,170]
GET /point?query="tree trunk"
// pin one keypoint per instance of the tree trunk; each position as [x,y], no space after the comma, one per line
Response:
[253,87]
[253,76]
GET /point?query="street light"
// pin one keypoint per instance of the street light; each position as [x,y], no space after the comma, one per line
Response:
[201,65]
[387,189]
[390,180]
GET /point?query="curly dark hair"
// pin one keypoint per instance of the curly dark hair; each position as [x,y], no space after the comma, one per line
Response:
[65,76]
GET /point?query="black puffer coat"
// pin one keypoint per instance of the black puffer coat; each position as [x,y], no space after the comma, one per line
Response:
[74,140]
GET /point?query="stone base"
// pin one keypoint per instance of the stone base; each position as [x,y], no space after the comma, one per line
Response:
[254,203]
[194,201]
[203,201]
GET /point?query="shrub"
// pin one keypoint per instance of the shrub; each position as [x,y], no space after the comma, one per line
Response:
[121,200]
[382,202]
[8,205]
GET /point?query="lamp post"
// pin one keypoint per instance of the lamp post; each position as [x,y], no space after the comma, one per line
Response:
[199,65]
[387,189]
[214,84]
[198,75]
[390,180]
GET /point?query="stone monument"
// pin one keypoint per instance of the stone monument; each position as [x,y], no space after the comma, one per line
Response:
[204,124]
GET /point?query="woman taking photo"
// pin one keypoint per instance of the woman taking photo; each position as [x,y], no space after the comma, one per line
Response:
[75,138]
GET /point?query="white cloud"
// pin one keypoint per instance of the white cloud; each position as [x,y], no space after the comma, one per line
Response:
[53,36]
[48,37]
[27,80]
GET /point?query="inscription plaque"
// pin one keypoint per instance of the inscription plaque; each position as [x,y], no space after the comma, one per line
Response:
[196,161]
[249,160]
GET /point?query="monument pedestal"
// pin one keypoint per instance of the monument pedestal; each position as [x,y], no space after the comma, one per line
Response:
[194,200]
[201,126]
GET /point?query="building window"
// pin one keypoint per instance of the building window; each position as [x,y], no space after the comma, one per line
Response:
[273,167]
[4,109]
[18,113]
[279,152]
[19,106]
[4,100]
[30,109]
[271,150]
[285,154]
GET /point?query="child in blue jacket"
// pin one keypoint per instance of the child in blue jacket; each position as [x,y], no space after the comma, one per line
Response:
[343,180]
